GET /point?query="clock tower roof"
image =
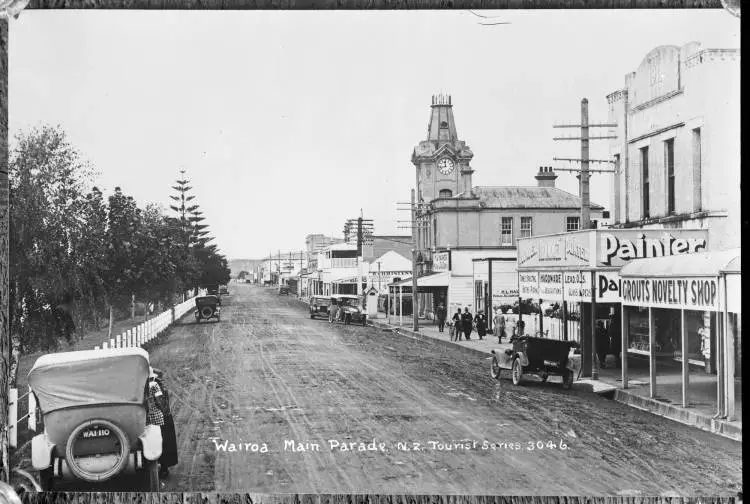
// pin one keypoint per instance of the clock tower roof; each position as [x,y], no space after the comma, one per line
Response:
[442,128]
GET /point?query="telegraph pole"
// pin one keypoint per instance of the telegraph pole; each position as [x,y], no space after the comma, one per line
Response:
[584,193]
[359,255]
[584,160]
[414,297]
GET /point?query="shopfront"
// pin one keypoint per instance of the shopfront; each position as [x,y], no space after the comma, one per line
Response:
[570,288]
[495,286]
[684,315]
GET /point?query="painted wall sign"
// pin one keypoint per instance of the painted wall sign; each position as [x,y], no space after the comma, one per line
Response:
[551,285]
[577,286]
[504,285]
[688,293]
[608,287]
[528,284]
[558,250]
[617,249]
[441,261]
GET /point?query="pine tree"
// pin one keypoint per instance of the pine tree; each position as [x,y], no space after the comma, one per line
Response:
[188,214]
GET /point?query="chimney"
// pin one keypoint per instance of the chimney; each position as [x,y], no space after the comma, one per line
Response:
[546,177]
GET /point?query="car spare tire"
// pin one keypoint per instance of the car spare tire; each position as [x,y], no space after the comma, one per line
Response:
[97,450]
[207,312]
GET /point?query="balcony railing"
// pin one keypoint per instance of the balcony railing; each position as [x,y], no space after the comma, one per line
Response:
[343,262]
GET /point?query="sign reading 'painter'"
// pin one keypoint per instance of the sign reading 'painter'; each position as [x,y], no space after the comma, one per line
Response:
[686,293]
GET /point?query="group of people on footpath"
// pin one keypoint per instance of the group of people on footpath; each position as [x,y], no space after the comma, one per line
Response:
[462,324]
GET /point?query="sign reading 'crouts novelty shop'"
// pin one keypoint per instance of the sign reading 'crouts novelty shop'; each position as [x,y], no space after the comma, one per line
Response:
[686,293]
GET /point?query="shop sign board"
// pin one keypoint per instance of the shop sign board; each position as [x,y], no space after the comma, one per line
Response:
[441,261]
[504,284]
[528,284]
[551,285]
[577,286]
[571,249]
[618,248]
[608,287]
[696,293]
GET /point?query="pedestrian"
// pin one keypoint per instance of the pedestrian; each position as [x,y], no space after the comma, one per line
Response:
[457,328]
[500,326]
[602,343]
[467,321]
[161,414]
[441,314]
[481,324]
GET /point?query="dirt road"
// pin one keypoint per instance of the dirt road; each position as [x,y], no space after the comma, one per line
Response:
[265,400]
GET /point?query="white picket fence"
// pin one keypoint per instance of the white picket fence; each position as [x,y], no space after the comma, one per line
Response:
[135,337]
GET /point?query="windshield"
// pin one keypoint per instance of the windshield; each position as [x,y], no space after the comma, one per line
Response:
[349,302]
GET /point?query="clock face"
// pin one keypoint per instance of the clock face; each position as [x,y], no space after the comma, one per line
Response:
[445,166]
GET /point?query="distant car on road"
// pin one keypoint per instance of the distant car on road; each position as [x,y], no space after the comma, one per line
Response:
[207,308]
[319,306]
[346,308]
[224,290]
[283,290]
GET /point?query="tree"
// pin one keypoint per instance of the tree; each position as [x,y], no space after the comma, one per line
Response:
[48,180]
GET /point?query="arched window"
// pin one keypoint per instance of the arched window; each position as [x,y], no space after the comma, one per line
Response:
[446,193]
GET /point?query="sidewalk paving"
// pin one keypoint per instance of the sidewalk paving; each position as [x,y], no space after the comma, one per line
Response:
[668,403]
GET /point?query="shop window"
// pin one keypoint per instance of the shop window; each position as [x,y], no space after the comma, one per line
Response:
[697,190]
[669,164]
[645,184]
[506,231]
[572,223]
[525,227]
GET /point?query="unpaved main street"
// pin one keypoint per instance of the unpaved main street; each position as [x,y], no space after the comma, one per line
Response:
[267,373]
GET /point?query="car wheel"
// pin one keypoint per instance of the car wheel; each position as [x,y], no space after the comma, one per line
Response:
[495,368]
[567,379]
[207,312]
[124,449]
[517,372]
[47,479]
[151,476]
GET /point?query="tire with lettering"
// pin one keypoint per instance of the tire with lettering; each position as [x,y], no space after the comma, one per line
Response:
[124,451]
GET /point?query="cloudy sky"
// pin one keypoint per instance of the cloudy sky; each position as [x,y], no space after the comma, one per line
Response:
[287,123]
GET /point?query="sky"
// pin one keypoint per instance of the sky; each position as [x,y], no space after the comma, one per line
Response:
[288,123]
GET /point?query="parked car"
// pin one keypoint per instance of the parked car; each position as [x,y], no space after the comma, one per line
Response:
[93,407]
[283,289]
[319,306]
[207,308]
[223,290]
[346,308]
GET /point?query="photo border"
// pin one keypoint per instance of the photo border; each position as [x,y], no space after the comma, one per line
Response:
[254,498]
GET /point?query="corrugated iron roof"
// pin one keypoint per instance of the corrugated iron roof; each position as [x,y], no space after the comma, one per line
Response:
[528,197]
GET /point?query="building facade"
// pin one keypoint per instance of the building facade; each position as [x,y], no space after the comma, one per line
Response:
[677,151]
[458,222]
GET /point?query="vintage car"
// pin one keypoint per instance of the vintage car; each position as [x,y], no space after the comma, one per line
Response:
[346,308]
[319,306]
[223,290]
[93,408]
[539,356]
[283,290]
[207,308]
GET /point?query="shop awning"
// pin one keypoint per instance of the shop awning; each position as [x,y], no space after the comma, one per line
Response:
[705,264]
[433,280]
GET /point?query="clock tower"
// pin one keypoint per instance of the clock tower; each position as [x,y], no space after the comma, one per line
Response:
[442,161]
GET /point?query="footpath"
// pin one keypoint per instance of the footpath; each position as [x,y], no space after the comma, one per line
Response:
[608,384]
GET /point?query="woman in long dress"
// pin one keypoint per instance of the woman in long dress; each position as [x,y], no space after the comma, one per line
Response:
[169,435]
[481,324]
